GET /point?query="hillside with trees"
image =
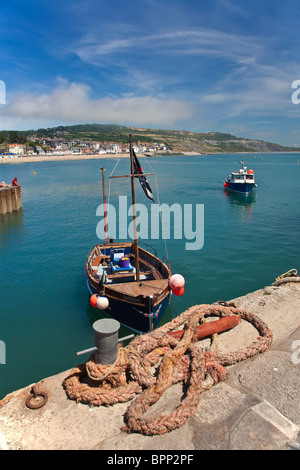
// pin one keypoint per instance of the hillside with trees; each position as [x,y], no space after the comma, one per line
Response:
[175,141]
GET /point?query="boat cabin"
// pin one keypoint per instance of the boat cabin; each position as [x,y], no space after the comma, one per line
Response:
[242,176]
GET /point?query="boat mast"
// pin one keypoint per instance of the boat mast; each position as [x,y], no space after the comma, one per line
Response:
[104,203]
[136,246]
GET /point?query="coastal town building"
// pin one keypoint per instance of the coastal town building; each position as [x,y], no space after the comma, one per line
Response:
[76,151]
[59,145]
[16,149]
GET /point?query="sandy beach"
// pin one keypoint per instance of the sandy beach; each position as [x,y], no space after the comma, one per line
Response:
[54,158]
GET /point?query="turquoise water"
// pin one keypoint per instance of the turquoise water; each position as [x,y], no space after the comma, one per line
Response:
[45,317]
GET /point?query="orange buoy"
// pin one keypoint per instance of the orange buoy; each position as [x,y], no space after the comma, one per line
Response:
[93,300]
[211,327]
[225,185]
[179,291]
[250,172]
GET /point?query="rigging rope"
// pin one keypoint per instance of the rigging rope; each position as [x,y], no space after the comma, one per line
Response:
[160,213]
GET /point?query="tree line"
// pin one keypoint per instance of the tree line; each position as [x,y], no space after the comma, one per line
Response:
[12,137]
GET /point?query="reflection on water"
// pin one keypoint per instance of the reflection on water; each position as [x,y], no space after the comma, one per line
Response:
[244,202]
[11,222]
[11,219]
[240,199]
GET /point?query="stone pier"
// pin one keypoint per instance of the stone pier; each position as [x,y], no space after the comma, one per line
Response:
[10,199]
[256,408]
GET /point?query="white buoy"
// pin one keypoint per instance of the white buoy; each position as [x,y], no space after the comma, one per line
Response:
[102,303]
[176,281]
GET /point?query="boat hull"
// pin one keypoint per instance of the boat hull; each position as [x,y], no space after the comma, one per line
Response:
[134,317]
[138,305]
[242,188]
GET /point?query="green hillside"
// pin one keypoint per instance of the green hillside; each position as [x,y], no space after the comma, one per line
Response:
[176,141]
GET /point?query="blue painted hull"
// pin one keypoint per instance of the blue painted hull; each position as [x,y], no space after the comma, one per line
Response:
[242,188]
[133,317]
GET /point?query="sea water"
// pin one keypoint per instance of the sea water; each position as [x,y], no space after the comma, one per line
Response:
[45,315]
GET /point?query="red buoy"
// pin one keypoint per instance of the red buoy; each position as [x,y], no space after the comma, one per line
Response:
[179,291]
[93,300]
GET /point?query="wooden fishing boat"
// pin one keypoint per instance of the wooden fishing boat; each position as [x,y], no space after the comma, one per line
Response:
[127,281]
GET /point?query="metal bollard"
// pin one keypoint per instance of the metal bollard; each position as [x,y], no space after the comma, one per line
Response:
[106,340]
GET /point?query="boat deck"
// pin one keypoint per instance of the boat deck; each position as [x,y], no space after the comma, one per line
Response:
[125,277]
[144,288]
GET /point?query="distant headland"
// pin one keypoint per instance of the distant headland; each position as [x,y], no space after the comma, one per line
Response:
[111,140]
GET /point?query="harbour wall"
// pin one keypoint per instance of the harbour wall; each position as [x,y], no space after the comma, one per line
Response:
[256,408]
[10,199]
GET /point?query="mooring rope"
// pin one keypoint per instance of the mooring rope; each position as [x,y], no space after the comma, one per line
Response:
[153,362]
[285,278]
[291,272]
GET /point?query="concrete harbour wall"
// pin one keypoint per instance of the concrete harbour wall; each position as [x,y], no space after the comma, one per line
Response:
[256,408]
[10,199]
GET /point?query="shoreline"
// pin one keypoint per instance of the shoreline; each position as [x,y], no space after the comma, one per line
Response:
[52,158]
[55,158]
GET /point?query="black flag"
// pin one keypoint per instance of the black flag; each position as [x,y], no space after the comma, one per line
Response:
[138,170]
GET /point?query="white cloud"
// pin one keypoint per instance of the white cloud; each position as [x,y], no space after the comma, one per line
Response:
[200,42]
[71,103]
[252,90]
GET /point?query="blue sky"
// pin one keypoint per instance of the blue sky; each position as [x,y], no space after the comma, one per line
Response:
[197,65]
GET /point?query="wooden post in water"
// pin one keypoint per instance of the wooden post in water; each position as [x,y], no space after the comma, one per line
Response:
[10,199]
